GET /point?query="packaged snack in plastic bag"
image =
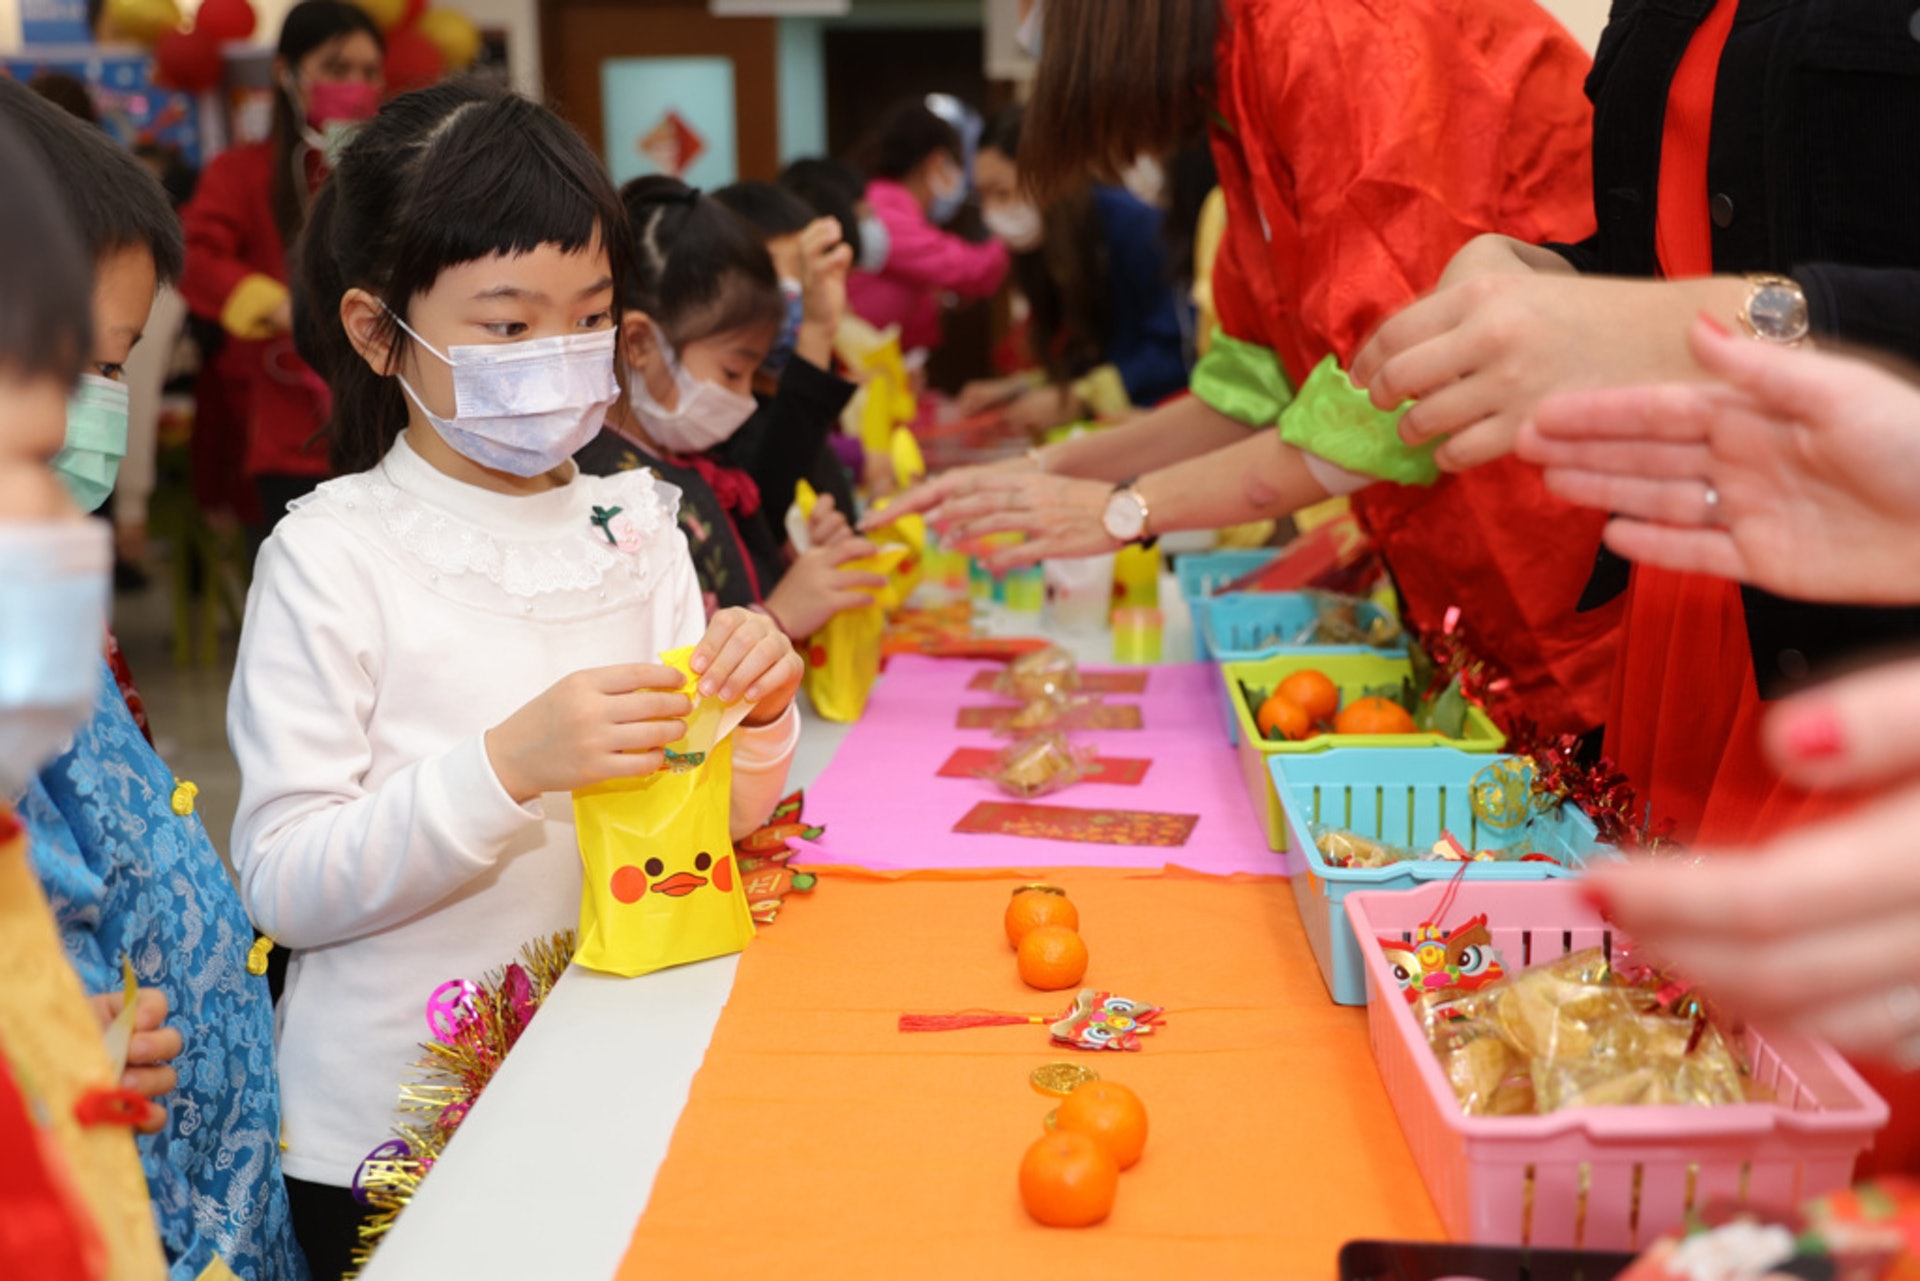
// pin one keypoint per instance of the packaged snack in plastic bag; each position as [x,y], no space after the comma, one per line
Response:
[1039,765]
[1045,673]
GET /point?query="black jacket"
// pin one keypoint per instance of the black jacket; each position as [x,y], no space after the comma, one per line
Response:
[1814,172]
[786,440]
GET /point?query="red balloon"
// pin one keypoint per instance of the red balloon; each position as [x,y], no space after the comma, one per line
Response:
[225,19]
[412,15]
[412,60]
[187,60]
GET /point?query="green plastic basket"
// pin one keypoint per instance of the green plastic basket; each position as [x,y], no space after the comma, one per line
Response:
[1354,674]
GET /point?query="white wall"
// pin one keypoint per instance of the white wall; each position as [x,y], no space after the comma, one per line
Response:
[1583,18]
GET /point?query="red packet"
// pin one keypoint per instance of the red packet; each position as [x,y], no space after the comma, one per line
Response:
[1119,771]
[1098,716]
[1066,823]
[1090,682]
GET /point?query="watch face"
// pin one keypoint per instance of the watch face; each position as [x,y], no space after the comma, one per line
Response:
[1125,517]
[1778,313]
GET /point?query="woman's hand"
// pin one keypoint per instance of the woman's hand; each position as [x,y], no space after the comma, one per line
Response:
[1059,515]
[1481,351]
[817,586]
[1819,931]
[150,1053]
[1822,928]
[745,655]
[602,723]
[1800,473]
[983,394]
[935,490]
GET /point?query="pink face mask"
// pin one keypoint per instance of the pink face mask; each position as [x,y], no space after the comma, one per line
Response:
[341,101]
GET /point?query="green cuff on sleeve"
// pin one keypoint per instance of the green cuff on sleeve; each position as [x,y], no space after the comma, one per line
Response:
[1242,380]
[1334,419]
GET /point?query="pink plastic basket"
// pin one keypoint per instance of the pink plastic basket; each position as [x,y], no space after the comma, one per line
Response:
[1598,1178]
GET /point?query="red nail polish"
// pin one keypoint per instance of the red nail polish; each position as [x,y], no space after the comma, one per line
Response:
[1815,736]
[1714,323]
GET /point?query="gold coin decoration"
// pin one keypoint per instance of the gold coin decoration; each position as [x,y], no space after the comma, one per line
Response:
[1037,888]
[1503,794]
[1061,1078]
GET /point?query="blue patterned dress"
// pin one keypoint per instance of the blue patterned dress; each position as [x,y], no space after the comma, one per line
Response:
[128,877]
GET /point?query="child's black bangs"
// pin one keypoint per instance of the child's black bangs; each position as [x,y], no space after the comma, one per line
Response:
[480,198]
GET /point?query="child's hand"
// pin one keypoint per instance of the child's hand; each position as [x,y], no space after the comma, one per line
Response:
[151,1052]
[816,587]
[825,259]
[606,722]
[827,524]
[745,655]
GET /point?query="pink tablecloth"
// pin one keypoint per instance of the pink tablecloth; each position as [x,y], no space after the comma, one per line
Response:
[885,807]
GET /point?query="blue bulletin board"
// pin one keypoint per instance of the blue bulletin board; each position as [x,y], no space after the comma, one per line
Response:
[672,116]
[131,110]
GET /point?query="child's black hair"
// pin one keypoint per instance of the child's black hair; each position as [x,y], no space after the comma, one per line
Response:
[772,211]
[111,199]
[46,309]
[832,190]
[906,135]
[698,270]
[442,176]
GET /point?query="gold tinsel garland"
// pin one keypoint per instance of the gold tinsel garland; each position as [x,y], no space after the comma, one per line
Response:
[474,1025]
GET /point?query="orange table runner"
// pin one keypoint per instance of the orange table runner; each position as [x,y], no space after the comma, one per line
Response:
[819,1141]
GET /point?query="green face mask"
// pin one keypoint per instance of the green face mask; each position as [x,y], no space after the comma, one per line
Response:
[96,440]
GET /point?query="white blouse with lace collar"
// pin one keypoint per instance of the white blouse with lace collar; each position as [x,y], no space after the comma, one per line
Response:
[397,615]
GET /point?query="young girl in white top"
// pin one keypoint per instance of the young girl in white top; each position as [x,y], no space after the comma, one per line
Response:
[462,628]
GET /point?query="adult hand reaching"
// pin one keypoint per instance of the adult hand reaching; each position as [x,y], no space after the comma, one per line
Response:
[1799,472]
[1480,352]
[935,490]
[1060,515]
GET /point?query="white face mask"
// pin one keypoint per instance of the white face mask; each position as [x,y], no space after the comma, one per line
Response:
[703,414]
[876,242]
[524,408]
[1018,224]
[54,577]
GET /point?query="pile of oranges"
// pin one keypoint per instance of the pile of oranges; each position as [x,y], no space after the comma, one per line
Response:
[1044,928]
[1308,703]
[1069,1177]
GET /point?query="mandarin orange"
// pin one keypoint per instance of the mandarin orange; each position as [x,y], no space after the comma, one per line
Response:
[1068,1180]
[1052,957]
[1111,1115]
[1318,696]
[1281,717]
[1374,716]
[1031,909]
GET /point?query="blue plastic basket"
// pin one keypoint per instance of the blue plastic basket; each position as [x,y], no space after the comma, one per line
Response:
[1404,798]
[1203,573]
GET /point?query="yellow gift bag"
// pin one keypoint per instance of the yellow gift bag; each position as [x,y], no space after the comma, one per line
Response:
[843,658]
[660,885]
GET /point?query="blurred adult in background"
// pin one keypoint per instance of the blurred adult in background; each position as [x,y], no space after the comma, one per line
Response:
[1103,323]
[250,206]
[916,183]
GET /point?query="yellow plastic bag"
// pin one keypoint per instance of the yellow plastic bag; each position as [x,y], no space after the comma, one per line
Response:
[660,885]
[843,658]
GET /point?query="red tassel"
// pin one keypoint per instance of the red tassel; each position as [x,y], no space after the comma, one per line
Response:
[975,1018]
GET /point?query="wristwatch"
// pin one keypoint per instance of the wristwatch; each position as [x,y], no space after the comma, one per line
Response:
[1776,311]
[1125,519]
